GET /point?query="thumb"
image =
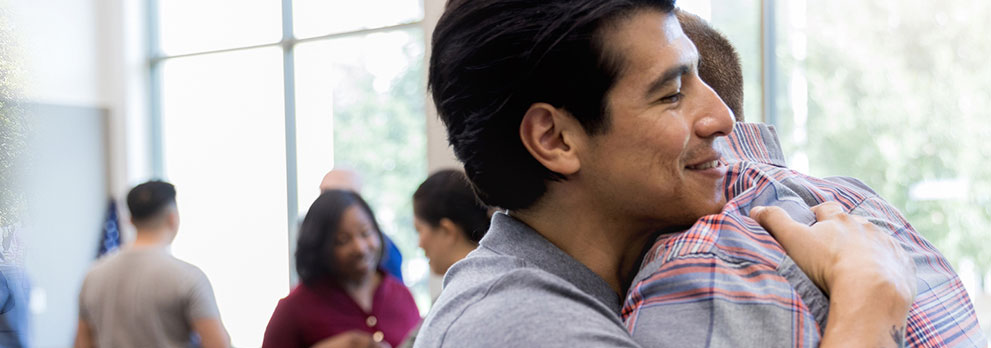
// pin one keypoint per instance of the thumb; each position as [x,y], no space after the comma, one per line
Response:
[788,232]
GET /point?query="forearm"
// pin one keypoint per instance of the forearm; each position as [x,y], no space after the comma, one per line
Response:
[84,338]
[212,333]
[866,320]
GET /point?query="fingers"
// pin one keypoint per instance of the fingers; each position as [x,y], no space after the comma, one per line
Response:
[828,210]
[796,239]
[776,221]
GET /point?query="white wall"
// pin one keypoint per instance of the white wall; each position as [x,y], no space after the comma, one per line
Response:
[90,53]
[84,83]
[439,153]
[58,42]
[66,202]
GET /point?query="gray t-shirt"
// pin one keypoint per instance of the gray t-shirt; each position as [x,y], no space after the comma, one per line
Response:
[519,290]
[145,298]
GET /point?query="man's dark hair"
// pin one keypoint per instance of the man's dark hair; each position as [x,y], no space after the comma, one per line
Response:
[719,64]
[492,59]
[148,200]
[314,260]
[448,194]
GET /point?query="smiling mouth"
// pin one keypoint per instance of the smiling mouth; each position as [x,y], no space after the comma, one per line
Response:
[704,165]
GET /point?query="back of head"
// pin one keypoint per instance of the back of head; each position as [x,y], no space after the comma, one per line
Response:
[149,201]
[493,59]
[448,194]
[341,179]
[719,64]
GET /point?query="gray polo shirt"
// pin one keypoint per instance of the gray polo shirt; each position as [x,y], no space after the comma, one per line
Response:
[145,297]
[519,290]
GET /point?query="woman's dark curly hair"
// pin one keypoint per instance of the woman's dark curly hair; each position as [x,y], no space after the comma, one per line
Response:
[320,226]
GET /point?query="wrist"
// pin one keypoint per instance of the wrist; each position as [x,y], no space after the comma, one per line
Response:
[867,314]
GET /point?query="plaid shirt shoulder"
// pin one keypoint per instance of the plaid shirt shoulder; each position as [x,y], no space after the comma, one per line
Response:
[726,283]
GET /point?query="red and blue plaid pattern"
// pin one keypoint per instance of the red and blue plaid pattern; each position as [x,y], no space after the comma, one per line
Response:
[724,279]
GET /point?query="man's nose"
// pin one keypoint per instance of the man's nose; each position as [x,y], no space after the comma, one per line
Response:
[715,118]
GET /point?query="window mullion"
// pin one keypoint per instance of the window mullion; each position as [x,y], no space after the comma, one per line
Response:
[768,62]
[292,186]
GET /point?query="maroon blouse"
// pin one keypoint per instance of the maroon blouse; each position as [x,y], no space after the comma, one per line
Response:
[312,313]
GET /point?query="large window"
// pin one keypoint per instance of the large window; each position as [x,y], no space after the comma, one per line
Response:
[896,94]
[253,102]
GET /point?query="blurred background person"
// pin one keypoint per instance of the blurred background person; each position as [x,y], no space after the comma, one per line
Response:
[448,218]
[142,296]
[345,299]
[349,180]
[341,179]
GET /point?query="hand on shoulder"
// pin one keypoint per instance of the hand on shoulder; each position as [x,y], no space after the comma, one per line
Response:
[869,277]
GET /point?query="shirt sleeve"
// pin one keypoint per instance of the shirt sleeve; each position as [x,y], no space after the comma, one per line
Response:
[281,329]
[942,314]
[714,298]
[202,303]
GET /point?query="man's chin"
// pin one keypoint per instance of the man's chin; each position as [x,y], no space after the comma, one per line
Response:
[719,206]
[712,208]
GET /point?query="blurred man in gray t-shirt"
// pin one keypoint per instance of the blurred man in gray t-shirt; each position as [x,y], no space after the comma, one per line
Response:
[143,296]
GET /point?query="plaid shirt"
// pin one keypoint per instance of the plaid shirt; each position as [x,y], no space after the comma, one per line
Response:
[727,283]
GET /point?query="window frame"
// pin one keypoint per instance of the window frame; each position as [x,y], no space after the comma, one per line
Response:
[287,44]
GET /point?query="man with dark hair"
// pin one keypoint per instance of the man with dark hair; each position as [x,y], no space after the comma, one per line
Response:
[587,121]
[724,304]
[144,297]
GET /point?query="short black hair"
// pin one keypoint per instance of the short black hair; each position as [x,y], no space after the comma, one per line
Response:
[148,200]
[448,194]
[319,229]
[719,64]
[492,59]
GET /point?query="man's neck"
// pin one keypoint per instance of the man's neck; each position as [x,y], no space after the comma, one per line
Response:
[152,237]
[607,245]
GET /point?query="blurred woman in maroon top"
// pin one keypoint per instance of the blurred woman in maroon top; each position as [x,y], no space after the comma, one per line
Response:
[344,300]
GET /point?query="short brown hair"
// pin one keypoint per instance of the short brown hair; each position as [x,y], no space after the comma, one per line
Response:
[719,64]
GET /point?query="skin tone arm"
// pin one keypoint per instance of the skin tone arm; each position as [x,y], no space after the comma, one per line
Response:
[212,333]
[869,278]
[84,337]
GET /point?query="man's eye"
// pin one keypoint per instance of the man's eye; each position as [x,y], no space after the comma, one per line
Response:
[674,98]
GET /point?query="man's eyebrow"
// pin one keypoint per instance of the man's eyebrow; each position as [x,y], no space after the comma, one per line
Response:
[667,77]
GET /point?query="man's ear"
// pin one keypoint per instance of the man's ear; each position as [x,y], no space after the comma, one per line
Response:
[173,219]
[550,135]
